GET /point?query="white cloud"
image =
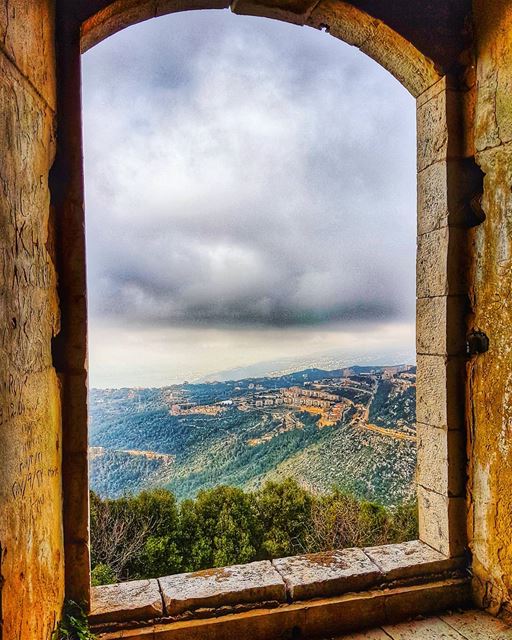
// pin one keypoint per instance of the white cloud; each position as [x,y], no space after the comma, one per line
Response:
[242,172]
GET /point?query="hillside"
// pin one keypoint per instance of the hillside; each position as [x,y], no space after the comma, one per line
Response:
[352,427]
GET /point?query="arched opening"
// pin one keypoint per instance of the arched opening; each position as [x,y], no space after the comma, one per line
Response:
[250,198]
[441,291]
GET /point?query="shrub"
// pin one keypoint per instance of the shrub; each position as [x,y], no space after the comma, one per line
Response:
[284,510]
[103,574]
[74,624]
[149,535]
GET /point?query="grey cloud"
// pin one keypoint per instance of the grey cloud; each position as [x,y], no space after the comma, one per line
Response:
[246,172]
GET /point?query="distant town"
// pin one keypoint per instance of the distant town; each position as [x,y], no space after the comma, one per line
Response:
[353,427]
[327,397]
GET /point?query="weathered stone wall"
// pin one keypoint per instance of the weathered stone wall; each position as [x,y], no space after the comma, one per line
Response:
[31,441]
[490,374]
[30,435]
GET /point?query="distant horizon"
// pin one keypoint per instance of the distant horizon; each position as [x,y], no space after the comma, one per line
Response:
[297,369]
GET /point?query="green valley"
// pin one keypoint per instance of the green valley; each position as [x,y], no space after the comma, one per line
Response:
[353,428]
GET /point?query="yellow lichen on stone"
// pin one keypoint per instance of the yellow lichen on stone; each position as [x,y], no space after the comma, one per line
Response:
[490,387]
[31,542]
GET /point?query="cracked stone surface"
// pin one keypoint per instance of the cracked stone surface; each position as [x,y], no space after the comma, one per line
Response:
[409,559]
[239,584]
[327,574]
[136,600]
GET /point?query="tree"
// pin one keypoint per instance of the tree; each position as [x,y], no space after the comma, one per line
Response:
[149,535]
[116,535]
[134,537]
[218,528]
[340,520]
[157,512]
[404,524]
[102,574]
[284,512]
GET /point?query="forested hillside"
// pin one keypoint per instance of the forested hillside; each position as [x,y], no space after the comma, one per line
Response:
[352,428]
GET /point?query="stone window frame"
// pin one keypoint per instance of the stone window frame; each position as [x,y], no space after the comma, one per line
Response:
[446,179]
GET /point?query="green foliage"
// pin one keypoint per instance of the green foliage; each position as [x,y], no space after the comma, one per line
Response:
[74,624]
[404,522]
[102,574]
[150,535]
[157,511]
[161,556]
[374,521]
[284,510]
[341,520]
[136,536]
[220,527]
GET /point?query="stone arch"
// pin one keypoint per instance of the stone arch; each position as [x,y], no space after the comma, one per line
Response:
[446,184]
[373,37]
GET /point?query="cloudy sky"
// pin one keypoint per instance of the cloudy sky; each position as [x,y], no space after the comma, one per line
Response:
[250,196]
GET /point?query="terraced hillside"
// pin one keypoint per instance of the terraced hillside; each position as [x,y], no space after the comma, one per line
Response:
[353,428]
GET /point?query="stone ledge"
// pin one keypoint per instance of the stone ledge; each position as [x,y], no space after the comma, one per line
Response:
[327,574]
[325,617]
[411,559]
[257,582]
[265,585]
[126,601]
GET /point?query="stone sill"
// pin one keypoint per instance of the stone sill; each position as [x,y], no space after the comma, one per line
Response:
[266,586]
[319,618]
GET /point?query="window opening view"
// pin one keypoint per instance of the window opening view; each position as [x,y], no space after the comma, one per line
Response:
[251,225]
